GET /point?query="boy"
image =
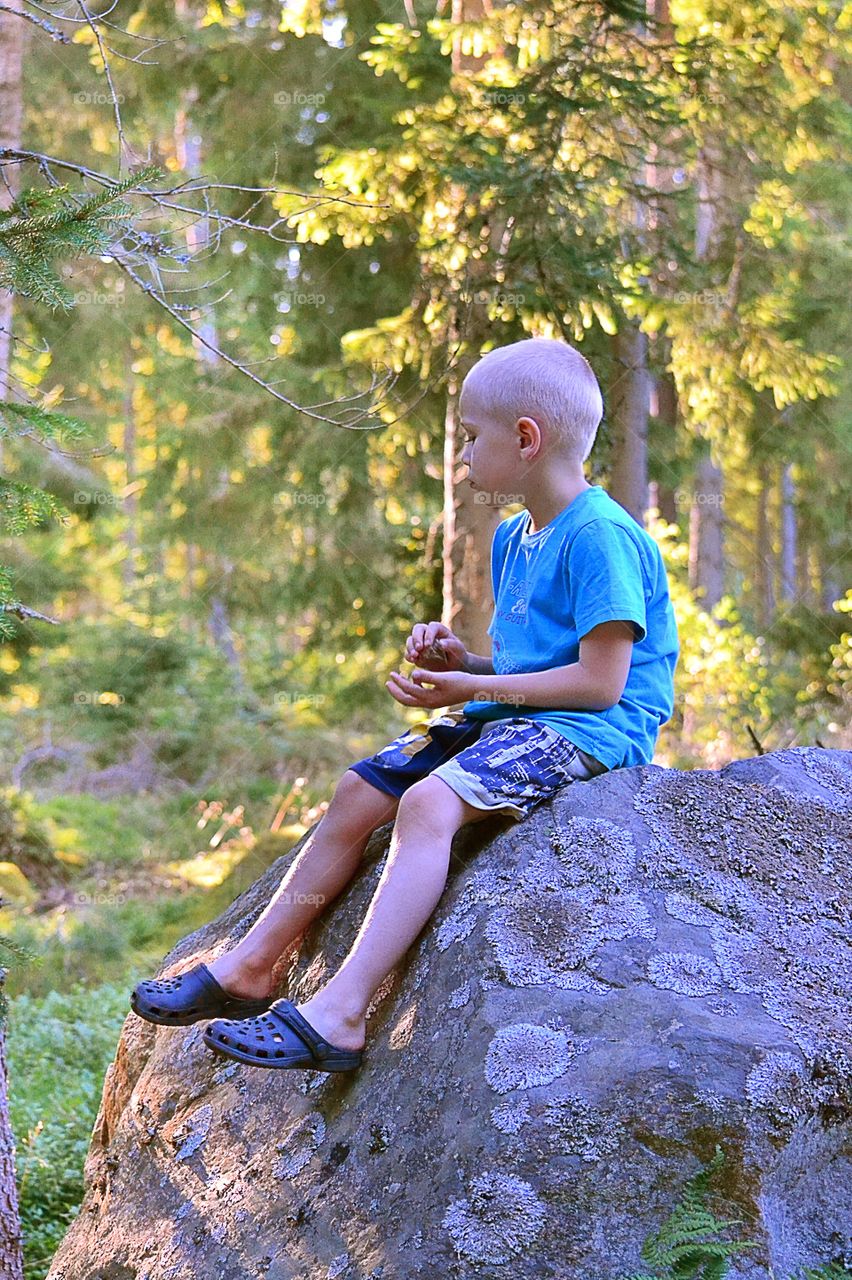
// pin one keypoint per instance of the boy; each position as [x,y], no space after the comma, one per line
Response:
[580,681]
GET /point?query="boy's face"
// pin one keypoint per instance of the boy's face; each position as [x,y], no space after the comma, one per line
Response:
[492,452]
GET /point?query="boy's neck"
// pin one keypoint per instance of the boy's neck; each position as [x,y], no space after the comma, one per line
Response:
[549,499]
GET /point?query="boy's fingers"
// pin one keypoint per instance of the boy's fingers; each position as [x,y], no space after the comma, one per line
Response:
[398,695]
[402,683]
[433,631]
[403,690]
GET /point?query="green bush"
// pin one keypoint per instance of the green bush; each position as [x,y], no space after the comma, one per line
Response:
[58,1050]
[111,658]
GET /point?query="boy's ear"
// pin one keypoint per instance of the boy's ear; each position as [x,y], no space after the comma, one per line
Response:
[529,434]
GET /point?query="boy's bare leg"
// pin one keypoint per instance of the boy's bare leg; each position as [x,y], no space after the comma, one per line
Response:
[429,815]
[323,867]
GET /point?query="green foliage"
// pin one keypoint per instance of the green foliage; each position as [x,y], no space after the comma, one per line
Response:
[45,224]
[23,507]
[17,419]
[24,838]
[114,671]
[690,1245]
[58,1049]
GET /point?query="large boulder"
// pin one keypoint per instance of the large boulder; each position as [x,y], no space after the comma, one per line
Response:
[654,963]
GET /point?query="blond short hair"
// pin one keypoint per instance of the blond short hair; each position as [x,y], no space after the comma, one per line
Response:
[545,379]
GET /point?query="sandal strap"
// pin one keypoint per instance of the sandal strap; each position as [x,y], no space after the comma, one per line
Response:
[286,1012]
[207,981]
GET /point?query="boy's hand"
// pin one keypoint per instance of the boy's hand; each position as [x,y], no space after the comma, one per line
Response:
[447,687]
[435,648]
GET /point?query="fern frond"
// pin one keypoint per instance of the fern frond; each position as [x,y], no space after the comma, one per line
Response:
[689,1244]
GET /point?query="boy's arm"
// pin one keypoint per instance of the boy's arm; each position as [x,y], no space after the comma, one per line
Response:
[477,665]
[595,683]
[470,663]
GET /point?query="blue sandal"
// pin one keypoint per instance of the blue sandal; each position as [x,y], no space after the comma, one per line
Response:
[189,997]
[281,1037]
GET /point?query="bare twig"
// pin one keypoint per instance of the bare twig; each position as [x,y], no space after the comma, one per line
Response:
[122,141]
[24,611]
[44,23]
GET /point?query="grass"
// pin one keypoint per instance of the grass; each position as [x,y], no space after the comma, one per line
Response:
[59,1047]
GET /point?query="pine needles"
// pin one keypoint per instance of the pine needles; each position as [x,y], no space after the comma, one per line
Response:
[45,224]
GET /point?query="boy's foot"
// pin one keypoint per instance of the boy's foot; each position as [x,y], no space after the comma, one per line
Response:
[280,1038]
[241,981]
[188,997]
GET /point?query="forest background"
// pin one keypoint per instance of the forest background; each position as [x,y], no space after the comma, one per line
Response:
[248,252]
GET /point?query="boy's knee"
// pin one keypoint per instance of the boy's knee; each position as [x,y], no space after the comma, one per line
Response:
[354,795]
[349,784]
[432,803]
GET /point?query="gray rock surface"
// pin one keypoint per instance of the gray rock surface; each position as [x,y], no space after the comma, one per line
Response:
[653,963]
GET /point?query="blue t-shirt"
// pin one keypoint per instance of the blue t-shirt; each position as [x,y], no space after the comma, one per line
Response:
[592,563]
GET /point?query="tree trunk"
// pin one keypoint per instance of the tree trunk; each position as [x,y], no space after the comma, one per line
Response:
[706,542]
[468,524]
[188,148]
[706,524]
[131,498]
[12,36]
[788,535]
[629,406]
[630,388]
[11,1263]
[830,559]
[803,583]
[764,558]
[468,531]
[710,189]
[664,393]
[223,638]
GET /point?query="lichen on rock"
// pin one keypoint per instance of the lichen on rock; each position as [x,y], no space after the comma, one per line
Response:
[499,1219]
[524,1055]
[652,963]
[684,971]
[300,1146]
